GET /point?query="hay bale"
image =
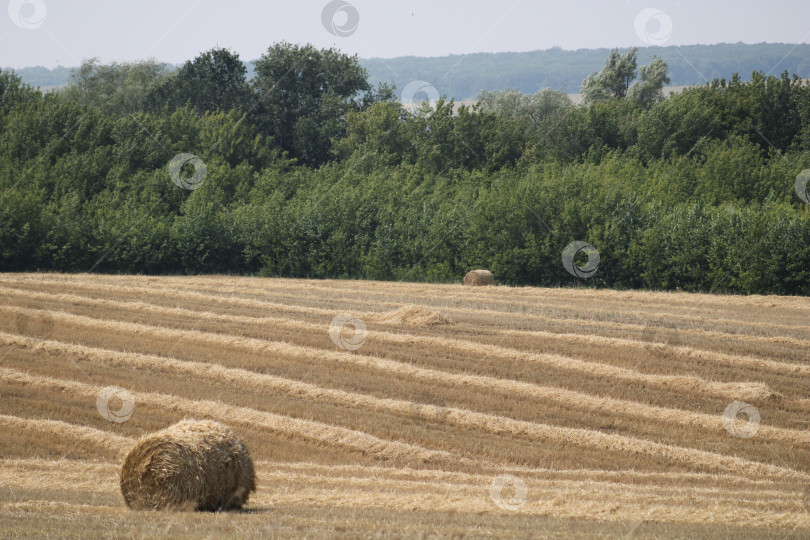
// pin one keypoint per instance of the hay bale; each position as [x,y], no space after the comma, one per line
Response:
[192,465]
[479,278]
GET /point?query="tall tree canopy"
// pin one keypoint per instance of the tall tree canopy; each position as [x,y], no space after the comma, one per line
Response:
[616,79]
[303,94]
[214,80]
[651,79]
[12,90]
[116,88]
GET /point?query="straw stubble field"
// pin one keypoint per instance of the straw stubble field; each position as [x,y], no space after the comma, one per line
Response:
[400,409]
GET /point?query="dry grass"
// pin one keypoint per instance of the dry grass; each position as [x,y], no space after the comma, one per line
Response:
[246,379]
[412,316]
[731,390]
[103,440]
[607,405]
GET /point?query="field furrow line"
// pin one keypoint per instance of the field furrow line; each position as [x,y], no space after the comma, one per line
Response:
[784,368]
[22,468]
[99,477]
[676,479]
[312,431]
[496,424]
[302,470]
[563,505]
[430,300]
[603,324]
[194,292]
[452,291]
[587,489]
[450,415]
[676,383]
[63,430]
[474,502]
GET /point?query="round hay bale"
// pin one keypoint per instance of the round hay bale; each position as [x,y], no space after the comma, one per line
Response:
[192,465]
[479,278]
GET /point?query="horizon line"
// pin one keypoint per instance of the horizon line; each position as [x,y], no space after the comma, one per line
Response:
[449,55]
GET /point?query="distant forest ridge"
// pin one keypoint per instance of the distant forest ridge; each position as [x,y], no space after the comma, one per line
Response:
[464,76]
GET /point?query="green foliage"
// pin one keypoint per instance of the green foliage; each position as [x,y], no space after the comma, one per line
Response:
[651,79]
[463,76]
[535,108]
[114,89]
[13,91]
[379,131]
[327,177]
[678,126]
[215,80]
[302,94]
[615,80]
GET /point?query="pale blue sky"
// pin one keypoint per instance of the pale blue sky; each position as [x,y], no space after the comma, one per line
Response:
[63,33]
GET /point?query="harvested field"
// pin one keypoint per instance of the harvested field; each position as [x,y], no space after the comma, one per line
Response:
[401,409]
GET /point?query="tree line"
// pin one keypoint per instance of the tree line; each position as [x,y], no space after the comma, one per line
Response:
[462,76]
[310,171]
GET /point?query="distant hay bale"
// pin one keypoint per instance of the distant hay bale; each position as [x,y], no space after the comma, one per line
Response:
[192,465]
[479,278]
[413,316]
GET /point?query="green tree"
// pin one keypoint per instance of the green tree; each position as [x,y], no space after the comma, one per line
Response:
[380,131]
[651,79]
[616,80]
[536,107]
[534,115]
[13,90]
[303,95]
[680,125]
[214,80]
[117,88]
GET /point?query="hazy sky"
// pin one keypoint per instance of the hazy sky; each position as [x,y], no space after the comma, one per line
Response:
[52,32]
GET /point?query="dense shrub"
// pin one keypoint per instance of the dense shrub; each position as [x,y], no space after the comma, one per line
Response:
[695,192]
